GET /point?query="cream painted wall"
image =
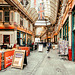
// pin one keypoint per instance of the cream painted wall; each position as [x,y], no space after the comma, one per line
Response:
[26,24]
[13,37]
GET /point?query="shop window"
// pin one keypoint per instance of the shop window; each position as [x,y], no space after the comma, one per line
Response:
[0,16]
[6,39]
[6,16]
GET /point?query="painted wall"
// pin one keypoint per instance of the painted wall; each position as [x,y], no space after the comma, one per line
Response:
[13,37]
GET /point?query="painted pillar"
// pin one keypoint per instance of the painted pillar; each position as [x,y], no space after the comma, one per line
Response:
[26,38]
[20,37]
[70,36]
[15,36]
[62,33]
[67,30]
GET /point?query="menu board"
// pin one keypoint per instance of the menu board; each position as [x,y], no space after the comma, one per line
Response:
[40,47]
[18,59]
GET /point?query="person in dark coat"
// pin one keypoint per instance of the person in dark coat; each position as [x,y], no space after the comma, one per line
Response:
[48,50]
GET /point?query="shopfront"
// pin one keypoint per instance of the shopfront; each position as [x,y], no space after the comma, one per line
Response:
[21,38]
[65,30]
[73,34]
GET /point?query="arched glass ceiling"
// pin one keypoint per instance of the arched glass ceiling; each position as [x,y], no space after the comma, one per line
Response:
[50,9]
[52,13]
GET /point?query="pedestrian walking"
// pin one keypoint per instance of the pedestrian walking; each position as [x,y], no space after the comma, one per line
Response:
[48,49]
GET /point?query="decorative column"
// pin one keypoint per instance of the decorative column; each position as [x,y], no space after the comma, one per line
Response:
[33,37]
[70,35]
[15,36]
[62,33]
[20,37]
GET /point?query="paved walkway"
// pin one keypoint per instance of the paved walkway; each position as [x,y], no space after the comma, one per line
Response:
[39,64]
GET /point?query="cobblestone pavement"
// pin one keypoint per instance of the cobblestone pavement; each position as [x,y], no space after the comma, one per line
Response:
[39,64]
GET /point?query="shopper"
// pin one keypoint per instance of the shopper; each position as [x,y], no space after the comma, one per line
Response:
[48,49]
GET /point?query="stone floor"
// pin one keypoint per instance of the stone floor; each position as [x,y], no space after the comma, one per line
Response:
[39,64]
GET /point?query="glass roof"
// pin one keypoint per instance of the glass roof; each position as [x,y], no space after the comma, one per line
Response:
[47,9]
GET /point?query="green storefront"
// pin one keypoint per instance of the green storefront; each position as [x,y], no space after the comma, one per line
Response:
[73,34]
[21,38]
[65,30]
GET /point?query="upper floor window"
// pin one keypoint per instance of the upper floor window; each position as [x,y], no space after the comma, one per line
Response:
[6,16]
[21,20]
[0,16]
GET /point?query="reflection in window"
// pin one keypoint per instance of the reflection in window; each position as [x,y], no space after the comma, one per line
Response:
[6,38]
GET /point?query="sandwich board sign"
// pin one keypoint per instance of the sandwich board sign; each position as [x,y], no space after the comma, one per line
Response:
[40,47]
[19,59]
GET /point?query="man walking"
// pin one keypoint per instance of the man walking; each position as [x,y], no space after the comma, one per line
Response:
[48,50]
